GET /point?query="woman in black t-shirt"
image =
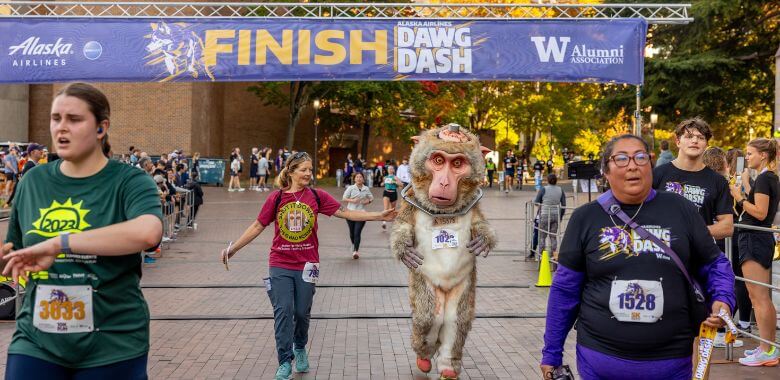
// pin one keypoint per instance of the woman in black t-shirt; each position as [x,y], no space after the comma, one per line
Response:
[626,294]
[756,248]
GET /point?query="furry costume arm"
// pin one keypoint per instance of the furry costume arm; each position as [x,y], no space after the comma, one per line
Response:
[480,229]
[403,231]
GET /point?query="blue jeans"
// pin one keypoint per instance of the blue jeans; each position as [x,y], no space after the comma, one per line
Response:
[291,298]
[23,367]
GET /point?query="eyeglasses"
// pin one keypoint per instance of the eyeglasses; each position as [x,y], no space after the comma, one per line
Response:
[622,160]
[691,136]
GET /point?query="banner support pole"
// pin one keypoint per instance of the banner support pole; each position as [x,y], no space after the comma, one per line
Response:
[637,115]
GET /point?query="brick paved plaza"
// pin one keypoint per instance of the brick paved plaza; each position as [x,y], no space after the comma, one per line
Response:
[213,324]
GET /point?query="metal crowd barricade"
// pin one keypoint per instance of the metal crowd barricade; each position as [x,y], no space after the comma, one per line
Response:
[730,254]
[530,217]
[178,214]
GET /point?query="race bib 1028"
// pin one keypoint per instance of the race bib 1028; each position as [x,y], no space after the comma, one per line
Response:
[444,238]
[63,309]
[637,300]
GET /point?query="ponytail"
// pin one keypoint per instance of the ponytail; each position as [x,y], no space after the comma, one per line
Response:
[106,146]
[283,179]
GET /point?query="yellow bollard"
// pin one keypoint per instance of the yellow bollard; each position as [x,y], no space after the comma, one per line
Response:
[545,274]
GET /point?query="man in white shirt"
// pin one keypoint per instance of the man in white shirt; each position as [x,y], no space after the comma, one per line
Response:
[403,172]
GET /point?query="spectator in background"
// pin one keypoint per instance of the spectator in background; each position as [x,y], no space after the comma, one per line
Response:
[349,169]
[253,161]
[145,163]
[490,167]
[34,154]
[510,163]
[194,186]
[262,173]
[159,168]
[235,170]
[666,155]
[279,161]
[403,172]
[359,165]
[715,159]
[552,199]
[759,199]
[538,169]
[182,178]
[195,164]
[11,166]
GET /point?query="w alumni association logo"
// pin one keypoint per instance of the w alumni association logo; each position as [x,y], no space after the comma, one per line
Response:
[558,47]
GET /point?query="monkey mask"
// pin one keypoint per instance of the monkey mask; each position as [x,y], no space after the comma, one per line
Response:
[447,166]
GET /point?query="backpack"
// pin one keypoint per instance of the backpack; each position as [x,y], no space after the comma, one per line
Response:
[278,200]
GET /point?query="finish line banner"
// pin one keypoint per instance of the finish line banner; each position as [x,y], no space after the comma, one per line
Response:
[146,50]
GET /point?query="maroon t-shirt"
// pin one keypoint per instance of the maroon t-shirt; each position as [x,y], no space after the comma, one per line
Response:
[295,231]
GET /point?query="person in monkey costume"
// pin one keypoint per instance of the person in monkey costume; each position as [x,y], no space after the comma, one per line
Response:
[439,215]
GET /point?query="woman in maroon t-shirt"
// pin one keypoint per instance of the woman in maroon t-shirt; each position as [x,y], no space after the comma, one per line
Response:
[294,258]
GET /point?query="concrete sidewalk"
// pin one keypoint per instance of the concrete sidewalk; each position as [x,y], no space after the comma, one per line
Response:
[208,323]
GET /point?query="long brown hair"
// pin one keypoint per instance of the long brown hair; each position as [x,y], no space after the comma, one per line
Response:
[731,158]
[284,180]
[97,103]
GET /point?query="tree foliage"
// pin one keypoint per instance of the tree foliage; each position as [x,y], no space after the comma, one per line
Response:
[719,66]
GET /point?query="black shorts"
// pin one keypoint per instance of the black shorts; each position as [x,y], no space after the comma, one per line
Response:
[393,195]
[756,246]
[10,177]
[234,174]
[509,173]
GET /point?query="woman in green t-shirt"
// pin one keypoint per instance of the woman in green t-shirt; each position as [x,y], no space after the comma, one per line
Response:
[390,195]
[77,229]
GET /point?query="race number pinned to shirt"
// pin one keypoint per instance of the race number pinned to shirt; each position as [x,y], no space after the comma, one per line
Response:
[311,272]
[444,238]
[63,309]
[637,300]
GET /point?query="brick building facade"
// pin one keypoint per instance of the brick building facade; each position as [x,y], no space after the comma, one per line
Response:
[210,118]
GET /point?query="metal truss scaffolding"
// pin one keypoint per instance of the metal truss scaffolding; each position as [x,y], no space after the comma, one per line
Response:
[653,13]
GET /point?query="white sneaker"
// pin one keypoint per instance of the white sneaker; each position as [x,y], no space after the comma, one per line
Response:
[720,341]
[258,189]
[231,190]
[241,189]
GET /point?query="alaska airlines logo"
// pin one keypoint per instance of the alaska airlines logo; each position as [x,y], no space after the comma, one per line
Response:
[60,217]
[556,47]
[32,46]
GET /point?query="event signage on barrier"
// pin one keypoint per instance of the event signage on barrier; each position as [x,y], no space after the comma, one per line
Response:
[145,50]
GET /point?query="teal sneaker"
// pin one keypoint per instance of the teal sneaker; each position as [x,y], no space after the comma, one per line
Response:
[301,360]
[284,372]
[760,358]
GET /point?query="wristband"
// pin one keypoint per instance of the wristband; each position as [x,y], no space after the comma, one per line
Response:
[65,243]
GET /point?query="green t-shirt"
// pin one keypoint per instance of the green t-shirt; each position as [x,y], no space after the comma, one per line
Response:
[48,203]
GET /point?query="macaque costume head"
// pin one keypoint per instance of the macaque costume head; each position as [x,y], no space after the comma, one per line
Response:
[447,166]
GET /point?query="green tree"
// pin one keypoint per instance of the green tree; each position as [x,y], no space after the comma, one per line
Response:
[388,105]
[718,67]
